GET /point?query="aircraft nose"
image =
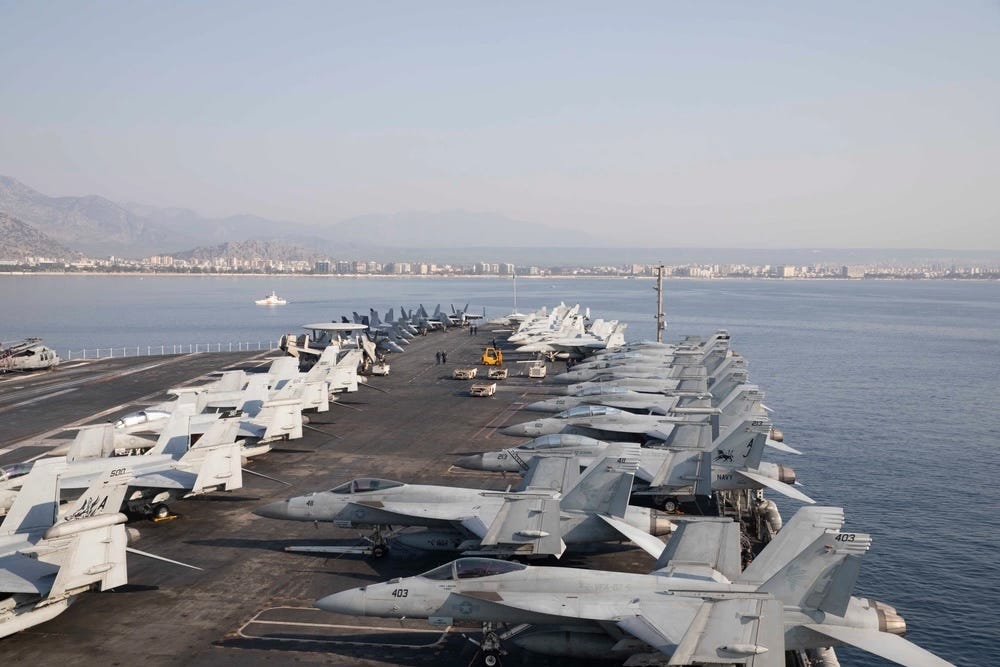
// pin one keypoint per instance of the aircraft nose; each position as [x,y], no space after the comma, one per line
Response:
[514,429]
[471,462]
[278,510]
[539,406]
[350,602]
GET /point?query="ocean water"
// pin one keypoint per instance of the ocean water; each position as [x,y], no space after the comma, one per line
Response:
[891,390]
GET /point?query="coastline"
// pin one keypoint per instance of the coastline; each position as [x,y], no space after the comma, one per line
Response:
[392,276]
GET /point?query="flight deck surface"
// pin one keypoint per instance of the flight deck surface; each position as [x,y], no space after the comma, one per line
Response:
[252,604]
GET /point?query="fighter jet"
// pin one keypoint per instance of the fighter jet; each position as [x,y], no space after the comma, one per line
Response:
[170,470]
[601,335]
[613,397]
[643,396]
[712,355]
[555,507]
[48,556]
[696,607]
[47,560]
[607,423]
[694,379]
[693,465]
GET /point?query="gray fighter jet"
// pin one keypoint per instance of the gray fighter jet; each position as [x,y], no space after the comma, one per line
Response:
[607,423]
[696,607]
[693,465]
[170,470]
[46,560]
[554,508]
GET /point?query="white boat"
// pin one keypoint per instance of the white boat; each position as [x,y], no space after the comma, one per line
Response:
[271,300]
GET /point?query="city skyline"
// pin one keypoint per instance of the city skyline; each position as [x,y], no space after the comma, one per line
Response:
[776,125]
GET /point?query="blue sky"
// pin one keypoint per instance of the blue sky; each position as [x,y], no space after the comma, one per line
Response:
[651,123]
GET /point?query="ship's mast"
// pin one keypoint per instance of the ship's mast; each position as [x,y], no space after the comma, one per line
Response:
[660,324]
[514,276]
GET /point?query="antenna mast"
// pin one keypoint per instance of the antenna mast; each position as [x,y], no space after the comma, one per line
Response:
[660,324]
[514,277]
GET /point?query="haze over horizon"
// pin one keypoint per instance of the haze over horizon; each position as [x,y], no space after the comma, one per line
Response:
[648,124]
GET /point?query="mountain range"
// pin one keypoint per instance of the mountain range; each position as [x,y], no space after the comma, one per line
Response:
[97,226]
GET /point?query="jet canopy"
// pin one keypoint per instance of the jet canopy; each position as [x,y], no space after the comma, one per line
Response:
[587,411]
[558,441]
[472,568]
[14,470]
[364,485]
[602,391]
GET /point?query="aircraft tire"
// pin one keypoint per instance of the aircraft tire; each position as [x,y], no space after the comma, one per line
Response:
[160,511]
[379,551]
[491,659]
[670,505]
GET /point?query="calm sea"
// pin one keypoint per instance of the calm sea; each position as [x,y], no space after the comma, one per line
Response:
[890,388]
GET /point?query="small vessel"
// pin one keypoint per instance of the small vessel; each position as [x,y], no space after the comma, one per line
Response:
[271,299]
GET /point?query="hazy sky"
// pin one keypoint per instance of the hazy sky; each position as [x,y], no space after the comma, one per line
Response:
[795,124]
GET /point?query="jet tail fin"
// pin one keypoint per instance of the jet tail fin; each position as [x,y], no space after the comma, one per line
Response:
[743,445]
[808,524]
[606,485]
[282,418]
[95,553]
[217,458]
[37,502]
[818,573]
[822,576]
[175,437]
[92,442]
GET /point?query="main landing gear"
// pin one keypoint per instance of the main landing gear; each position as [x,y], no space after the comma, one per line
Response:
[377,546]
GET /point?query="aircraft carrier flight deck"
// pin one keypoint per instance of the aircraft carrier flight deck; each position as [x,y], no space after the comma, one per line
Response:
[252,603]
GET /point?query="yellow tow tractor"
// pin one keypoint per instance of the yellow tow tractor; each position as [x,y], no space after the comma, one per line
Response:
[492,356]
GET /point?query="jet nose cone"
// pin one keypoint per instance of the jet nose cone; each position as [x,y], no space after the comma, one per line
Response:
[514,429]
[471,462]
[539,406]
[350,602]
[278,510]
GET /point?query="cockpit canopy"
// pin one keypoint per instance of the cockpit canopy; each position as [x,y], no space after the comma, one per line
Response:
[364,485]
[558,440]
[587,411]
[472,568]
[14,470]
[602,390]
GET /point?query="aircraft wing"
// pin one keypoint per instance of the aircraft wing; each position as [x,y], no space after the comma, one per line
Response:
[551,472]
[702,549]
[780,446]
[22,574]
[530,524]
[651,544]
[883,644]
[167,478]
[780,487]
[744,631]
